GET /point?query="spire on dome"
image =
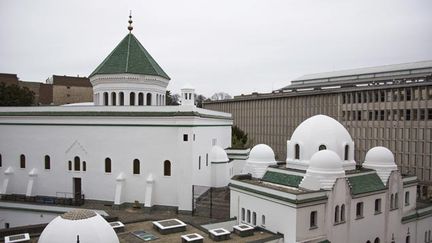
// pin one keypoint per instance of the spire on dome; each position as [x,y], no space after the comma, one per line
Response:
[130,28]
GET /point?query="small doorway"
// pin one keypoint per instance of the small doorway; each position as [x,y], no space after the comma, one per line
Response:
[77,190]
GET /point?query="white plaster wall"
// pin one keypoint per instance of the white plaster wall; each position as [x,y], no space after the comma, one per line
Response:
[279,217]
[340,195]
[17,218]
[151,144]
[303,230]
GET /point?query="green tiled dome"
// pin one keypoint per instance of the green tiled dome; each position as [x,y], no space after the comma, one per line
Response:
[130,56]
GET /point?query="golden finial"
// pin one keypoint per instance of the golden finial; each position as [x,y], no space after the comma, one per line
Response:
[130,28]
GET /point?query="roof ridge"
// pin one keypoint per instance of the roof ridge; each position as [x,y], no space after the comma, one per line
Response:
[107,58]
[128,50]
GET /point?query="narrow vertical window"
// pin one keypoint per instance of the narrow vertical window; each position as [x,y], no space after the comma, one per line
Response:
[248,216]
[313,219]
[149,99]
[377,240]
[336,214]
[407,239]
[263,220]
[396,201]
[47,162]
[114,98]
[22,161]
[254,218]
[342,213]
[105,97]
[77,163]
[243,214]
[167,168]
[377,206]
[297,151]
[199,162]
[132,98]
[1,160]
[359,210]
[346,154]
[69,165]
[107,165]
[121,98]
[140,99]
[391,201]
[136,166]
[84,166]
[206,159]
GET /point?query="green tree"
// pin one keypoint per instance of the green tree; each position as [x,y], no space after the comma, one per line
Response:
[239,139]
[14,95]
[199,100]
[171,99]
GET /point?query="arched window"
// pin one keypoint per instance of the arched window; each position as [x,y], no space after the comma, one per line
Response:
[322,147]
[157,99]
[136,167]
[248,216]
[396,201]
[0,160]
[336,215]
[47,162]
[84,166]
[391,201]
[149,99]
[254,218]
[105,97]
[407,239]
[132,98]
[346,152]
[263,219]
[121,98]
[243,214]
[297,151]
[378,205]
[342,213]
[69,165]
[22,161]
[140,99]
[107,165]
[368,241]
[77,163]
[114,98]
[167,168]
[377,240]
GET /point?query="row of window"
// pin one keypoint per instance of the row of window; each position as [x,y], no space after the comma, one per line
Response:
[77,164]
[246,217]
[199,161]
[111,99]
[321,147]
[387,95]
[339,214]
[388,115]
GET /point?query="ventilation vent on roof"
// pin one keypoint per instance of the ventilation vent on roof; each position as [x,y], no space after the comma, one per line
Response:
[17,238]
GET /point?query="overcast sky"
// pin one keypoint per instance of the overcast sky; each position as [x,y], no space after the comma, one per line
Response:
[236,46]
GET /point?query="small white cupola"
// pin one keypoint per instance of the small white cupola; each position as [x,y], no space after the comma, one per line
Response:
[325,167]
[380,159]
[260,157]
[188,95]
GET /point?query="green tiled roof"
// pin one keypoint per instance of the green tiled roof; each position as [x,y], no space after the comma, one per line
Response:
[130,57]
[282,179]
[365,183]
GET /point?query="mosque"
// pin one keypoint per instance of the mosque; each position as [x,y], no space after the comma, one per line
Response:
[129,146]
[320,195]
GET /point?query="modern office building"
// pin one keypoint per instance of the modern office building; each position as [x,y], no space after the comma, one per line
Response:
[387,106]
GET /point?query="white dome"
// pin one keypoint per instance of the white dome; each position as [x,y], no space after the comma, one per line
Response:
[188,86]
[261,153]
[382,160]
[326,161]
[316,133]
[380,156]
[90,227]
[325,167]
[218,154]
[260,157]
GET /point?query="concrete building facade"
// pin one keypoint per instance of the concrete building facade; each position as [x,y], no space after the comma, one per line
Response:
[387,105]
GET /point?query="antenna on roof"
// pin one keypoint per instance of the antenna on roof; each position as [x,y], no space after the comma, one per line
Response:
[130,28]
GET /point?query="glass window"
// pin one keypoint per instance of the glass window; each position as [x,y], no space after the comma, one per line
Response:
[243,214]
[107,165]
[167,168]
[263,220]
[254,218]
[297,151]
[342,213]
[69,165]
[185,137]
[359,210]
[248,216]
[47,162]
[378,205]
[84,166]
[313,219]
[22,161]
[77,163]
[322,147]
[336,214]
[136,166]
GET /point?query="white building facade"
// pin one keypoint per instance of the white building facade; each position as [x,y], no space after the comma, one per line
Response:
[127,147]
[328,199]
